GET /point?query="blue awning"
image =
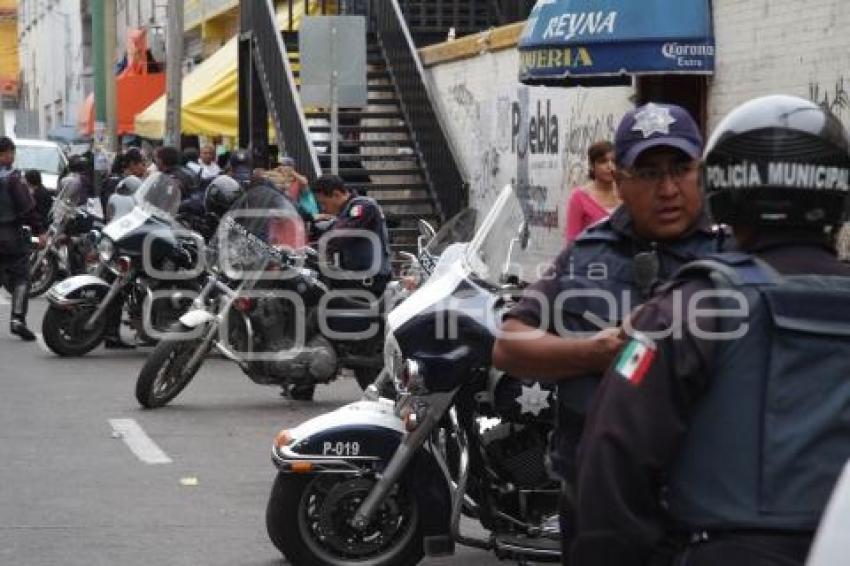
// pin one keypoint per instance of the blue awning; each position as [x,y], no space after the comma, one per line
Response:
[575,39]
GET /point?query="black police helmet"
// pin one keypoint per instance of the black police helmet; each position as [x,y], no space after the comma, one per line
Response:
[78,164]
[778,161]
[241,158]
[221,193]
[242,166]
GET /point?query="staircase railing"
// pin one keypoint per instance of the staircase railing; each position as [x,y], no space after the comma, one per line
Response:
[259,24]
[442,168]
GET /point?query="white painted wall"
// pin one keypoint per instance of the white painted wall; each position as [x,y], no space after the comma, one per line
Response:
[781,46]
[492,118]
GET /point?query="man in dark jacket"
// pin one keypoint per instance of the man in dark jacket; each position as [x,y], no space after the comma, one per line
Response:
[607,271]
[42,197]
[17,210]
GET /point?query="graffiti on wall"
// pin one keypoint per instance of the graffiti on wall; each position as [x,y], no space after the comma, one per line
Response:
[833,98]
[534,138]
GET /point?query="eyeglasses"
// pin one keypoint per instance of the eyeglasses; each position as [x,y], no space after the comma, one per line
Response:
[655,175]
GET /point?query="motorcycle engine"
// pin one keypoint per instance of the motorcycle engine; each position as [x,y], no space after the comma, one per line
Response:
[316,362]
[518,454]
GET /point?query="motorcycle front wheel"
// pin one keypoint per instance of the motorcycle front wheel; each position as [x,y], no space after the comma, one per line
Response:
[42,274]
[308,519]
[166,372]
[65,334]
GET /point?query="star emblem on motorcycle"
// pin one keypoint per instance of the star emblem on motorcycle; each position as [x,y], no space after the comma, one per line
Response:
[653,119]
[533,399]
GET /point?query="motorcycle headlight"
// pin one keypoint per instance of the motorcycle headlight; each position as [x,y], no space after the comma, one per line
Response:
[105,249]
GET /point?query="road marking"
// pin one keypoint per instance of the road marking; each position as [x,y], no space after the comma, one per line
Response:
[138,442]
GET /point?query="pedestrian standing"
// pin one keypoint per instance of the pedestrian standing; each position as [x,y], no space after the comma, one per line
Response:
[209,169]
[17,210]
[598,199]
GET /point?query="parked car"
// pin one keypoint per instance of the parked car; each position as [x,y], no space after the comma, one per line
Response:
[44,156]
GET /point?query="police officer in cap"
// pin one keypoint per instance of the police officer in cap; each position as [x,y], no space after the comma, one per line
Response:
[609,269]
[17,210]
[721,428]
[358,242]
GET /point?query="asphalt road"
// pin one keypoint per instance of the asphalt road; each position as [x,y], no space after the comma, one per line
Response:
[73,493]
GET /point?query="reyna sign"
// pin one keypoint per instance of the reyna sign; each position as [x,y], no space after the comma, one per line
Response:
[586,38]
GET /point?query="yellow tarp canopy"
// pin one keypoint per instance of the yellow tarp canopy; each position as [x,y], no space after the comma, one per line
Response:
[210,91]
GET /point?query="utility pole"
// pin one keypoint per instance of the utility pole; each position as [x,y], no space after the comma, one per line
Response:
[174,73]
[110,40]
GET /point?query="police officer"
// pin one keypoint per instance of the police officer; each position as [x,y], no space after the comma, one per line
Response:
[17,210]
[718,433]
[365,258]
[609,269]
[78,167]
[169,160]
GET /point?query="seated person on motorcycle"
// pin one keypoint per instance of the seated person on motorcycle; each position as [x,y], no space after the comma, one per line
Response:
[253,208]
[169,160]
[78,166]
[42,197]
[367,257]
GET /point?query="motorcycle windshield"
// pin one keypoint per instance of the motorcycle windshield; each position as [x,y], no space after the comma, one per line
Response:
[69,197]
[261,225]
[159,196]
[460,229]
[500,247]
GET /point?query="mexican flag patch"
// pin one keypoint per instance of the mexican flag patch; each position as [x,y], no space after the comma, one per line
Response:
[635,359]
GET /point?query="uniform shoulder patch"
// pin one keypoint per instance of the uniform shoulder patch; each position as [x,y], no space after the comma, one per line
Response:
[635,359]
[356,211]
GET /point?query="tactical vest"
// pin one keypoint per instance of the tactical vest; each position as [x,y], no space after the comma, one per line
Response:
[768,440]
[604,282]
[358,255]
[606,278]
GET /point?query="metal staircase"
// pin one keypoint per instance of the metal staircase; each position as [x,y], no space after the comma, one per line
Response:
[394,149]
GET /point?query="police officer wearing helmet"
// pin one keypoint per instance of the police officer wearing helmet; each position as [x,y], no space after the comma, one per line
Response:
[719,440]
[241,167]
[609,269]
[221,193]
[17,209]
[358,242]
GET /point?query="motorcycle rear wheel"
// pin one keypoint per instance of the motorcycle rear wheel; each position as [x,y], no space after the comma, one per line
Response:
[165,373]
[304,514]
[64,333]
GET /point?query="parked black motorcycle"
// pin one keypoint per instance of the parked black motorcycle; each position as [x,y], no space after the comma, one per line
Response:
[271,312]
[384,482]
[68,248]
[149,261]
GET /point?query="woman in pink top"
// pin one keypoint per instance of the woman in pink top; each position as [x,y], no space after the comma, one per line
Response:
[597,199]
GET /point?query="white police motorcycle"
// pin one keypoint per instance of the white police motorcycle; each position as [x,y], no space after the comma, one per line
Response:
[384,482]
